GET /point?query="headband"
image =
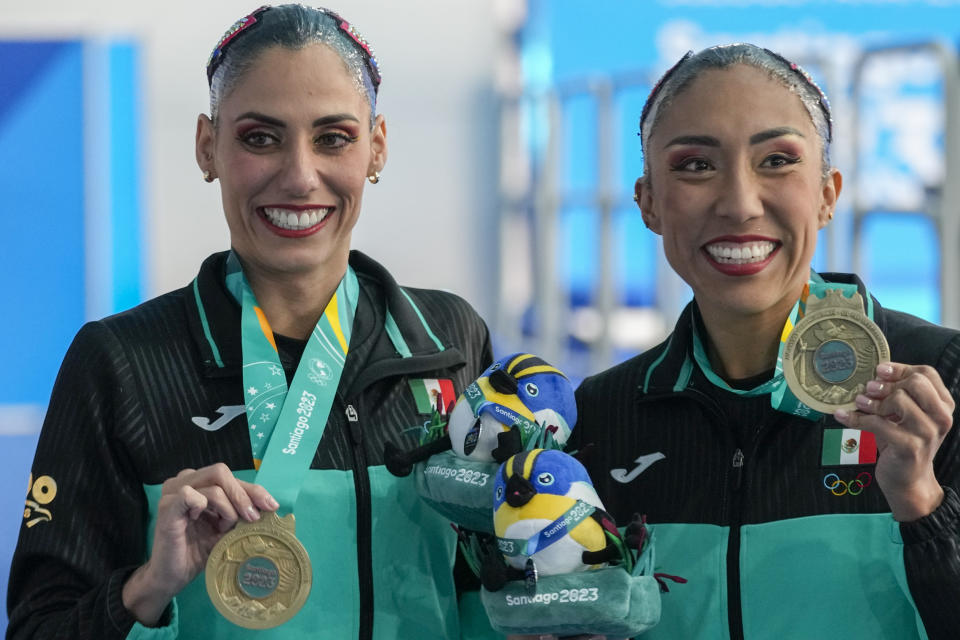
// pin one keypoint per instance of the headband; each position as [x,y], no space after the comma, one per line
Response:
[250,21]
[822,101]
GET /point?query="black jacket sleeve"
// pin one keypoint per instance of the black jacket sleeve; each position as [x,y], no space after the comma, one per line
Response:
[932,543]
[85,517]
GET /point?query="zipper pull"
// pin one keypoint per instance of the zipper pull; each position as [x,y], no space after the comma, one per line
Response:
[737,459]
[354,421]
[738,465]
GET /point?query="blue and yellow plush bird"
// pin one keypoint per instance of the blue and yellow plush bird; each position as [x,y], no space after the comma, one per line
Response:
[545,508]
[517,398]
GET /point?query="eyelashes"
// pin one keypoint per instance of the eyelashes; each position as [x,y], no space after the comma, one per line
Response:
[261,140]
[699,164]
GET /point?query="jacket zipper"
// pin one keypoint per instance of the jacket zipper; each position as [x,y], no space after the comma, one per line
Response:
[734,612]
[734,505]
[361,482]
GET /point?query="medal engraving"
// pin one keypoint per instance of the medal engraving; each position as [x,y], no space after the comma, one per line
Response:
[833,352]
[259,575]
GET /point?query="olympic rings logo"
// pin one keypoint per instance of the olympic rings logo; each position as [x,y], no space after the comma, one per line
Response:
[855,487]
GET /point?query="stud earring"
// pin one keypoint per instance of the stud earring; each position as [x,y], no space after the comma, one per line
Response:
[207,176]
[375,178]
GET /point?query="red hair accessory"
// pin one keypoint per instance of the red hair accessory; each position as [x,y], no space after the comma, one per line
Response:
[217,56]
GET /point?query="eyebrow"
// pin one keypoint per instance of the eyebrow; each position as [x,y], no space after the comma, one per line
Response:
[776,132]
[319,122]
[700,141]
[757,138]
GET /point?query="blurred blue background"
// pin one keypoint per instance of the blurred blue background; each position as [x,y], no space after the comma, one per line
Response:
[528,146]
[600,290]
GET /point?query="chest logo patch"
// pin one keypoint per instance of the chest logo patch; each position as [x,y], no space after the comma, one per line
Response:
[227,413]
[432,395]
[40,493]
[847,447]
[852,487]
[643,463]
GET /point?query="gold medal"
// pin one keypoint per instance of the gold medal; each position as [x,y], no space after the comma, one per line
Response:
[833,352]
[259,575]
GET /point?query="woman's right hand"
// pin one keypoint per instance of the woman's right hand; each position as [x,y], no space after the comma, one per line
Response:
[197,507]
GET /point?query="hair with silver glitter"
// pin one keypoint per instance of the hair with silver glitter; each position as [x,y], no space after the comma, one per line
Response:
[292,26]
[791,76]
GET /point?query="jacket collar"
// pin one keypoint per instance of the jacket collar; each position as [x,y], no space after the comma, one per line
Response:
[670,365]
[214,316]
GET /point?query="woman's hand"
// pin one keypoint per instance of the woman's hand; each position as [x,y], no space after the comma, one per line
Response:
[196,508]
[910,411]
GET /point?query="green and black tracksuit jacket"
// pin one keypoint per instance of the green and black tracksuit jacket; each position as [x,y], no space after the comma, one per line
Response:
[744,509]
[125,415]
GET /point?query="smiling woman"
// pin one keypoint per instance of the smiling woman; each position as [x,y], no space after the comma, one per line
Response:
[737,193]
[180,430]
[746,501]
[292,149]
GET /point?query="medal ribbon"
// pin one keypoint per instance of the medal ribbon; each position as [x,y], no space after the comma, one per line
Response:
[286,425]
[781,398]
[554,531]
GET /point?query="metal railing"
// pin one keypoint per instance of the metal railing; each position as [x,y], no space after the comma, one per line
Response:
[942,204]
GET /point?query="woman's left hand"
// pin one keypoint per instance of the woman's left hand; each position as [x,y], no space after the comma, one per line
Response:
[909,411]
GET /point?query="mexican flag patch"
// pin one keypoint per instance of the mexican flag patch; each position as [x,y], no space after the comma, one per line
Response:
[848,446]
[426,391]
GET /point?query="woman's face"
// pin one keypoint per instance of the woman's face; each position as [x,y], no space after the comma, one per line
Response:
[736,189]
[292,150]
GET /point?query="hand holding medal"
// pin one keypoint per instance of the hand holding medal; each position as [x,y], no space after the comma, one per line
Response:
[836,360]
[197,506]
[909,411]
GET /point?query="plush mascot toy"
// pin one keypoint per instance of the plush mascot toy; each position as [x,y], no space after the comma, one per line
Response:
[546,509]
[518,398]
[532,528]
[558,564]
[520,402]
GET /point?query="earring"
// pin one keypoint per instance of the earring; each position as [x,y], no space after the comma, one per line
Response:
[207,176]
[375,178]
[635,198]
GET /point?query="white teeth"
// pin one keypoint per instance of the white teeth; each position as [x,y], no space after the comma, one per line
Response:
[286,219]
[741,253]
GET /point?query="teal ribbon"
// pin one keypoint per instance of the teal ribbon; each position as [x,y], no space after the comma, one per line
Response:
[286,424]
[554,531]
[781,398]
[478,402]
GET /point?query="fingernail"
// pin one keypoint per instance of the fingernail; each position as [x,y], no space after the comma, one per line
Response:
[863,401]
[841,414]
[874,387]
[884,369]
[252,514]
[272,503]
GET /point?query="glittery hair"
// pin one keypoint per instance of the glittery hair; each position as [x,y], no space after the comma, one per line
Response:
[292,26]
[791,76]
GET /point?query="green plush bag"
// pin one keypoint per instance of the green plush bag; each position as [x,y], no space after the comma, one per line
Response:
[607,601]
[458,489]
[612,601]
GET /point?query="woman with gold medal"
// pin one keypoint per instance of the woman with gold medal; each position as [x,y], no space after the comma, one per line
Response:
[805,479]
[217,450]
